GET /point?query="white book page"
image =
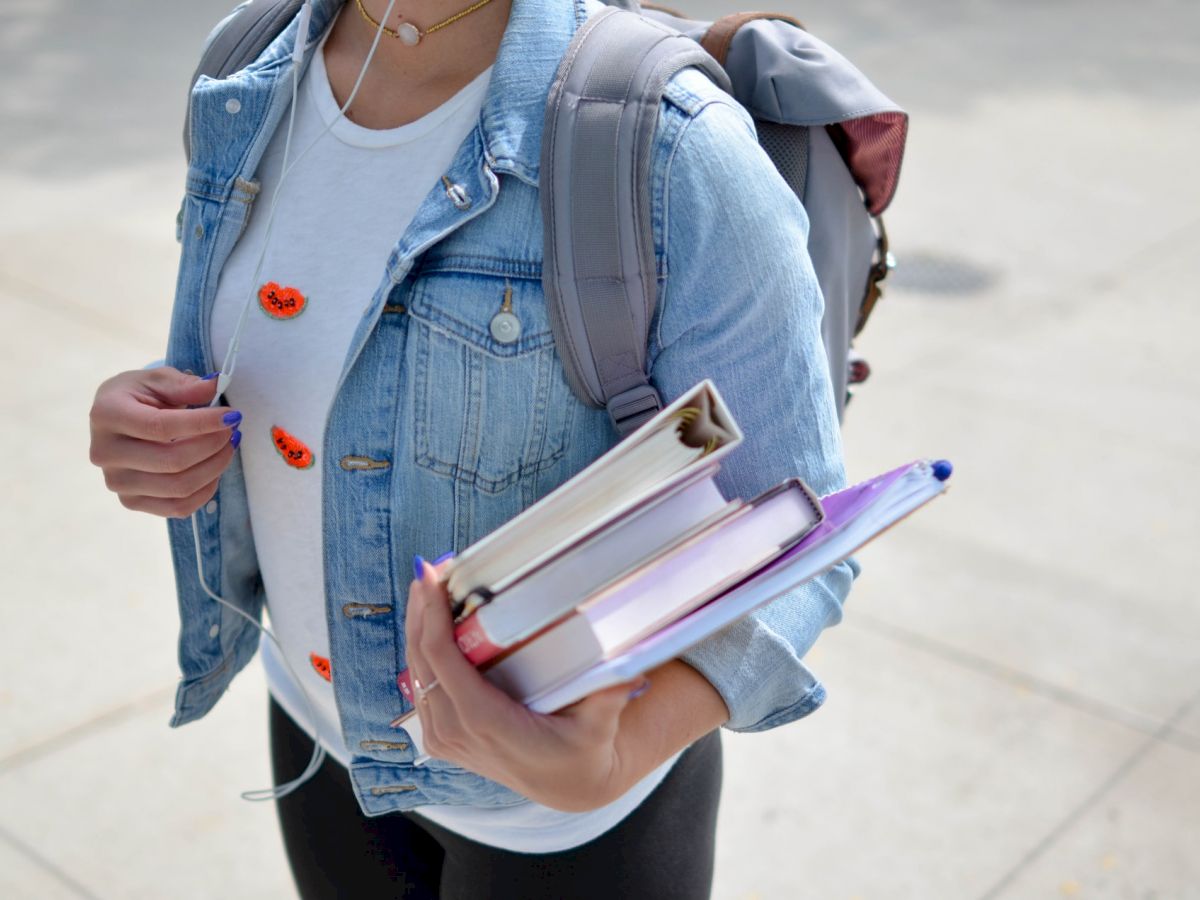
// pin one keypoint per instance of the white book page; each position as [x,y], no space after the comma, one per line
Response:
[650,459]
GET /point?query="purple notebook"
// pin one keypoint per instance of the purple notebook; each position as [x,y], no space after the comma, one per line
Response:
[853,517]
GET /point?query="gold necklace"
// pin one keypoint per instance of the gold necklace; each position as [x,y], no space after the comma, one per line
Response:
[408,33]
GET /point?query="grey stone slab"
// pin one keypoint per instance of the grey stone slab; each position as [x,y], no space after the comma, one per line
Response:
[1138,840]
[1188,728]
[1065,548]
[21,876]
[89,598]
[101,253]
[96,86]
[918,779]
[140,812]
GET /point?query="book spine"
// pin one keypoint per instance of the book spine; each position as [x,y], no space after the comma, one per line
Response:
[404,682]
[473,641]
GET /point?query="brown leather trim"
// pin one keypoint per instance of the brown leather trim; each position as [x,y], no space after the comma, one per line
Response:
[879,271]
[720,33]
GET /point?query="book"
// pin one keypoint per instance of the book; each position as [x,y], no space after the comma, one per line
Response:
[665,585]
[656,593]
[694,431]
[853,517]
[640,553]
[555,589]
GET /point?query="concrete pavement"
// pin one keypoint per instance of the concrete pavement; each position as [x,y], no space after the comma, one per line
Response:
[1015,691]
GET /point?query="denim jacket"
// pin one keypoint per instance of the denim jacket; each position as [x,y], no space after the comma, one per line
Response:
[464,431]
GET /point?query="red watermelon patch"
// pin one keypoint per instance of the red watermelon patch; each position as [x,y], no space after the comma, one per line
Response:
[292,449]
[281,302]
[321,664]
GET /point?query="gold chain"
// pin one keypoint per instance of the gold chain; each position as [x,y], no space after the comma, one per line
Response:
[431,29]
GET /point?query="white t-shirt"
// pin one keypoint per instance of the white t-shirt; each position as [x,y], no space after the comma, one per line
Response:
[345,204]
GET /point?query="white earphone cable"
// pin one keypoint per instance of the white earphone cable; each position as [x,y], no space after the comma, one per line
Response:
[229,364]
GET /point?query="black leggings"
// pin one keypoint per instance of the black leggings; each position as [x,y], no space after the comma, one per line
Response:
[662,850]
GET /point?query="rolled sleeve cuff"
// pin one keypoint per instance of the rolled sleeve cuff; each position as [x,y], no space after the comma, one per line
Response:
[766,687]
[755,663]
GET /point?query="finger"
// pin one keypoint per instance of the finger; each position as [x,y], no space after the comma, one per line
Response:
[170,387]
[420,674]
[119,452]
[174,486]
[473,697]
[140,414]
[174,509]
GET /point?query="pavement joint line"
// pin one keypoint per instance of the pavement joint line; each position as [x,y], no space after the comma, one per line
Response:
[83,730]
[56,304]
[1139,722]
[41,862]
[1091,800]
[1178,239]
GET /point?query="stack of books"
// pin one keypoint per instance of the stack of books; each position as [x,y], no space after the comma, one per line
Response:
[640,556]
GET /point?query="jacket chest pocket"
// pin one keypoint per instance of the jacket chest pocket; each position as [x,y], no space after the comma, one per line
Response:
[491,404]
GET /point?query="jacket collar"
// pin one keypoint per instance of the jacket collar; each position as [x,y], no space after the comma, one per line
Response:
[537,36]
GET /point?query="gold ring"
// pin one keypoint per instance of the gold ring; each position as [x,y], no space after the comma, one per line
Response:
[423,691]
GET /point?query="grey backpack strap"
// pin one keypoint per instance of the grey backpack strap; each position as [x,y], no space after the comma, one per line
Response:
[599,273]
[238,41]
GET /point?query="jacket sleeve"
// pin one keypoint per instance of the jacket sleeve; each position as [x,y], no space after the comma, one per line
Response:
[741,305]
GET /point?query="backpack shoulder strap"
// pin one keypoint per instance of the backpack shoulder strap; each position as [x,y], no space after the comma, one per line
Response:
[239,40]
[599,273]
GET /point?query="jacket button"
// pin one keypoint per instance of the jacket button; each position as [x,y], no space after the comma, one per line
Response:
[214,631]
[505,327]
[233,106]
[210,507]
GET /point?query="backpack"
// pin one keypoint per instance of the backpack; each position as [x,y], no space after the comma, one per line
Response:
[834,138]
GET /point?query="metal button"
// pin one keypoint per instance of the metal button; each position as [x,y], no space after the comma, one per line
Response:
[210,507]
[383,745]
[393,789]
[457,194]
[198,231]
[505,327]
[214,631]
[233,106]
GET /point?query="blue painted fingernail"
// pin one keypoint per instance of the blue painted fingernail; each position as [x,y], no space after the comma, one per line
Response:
[441,559]
[231,418]
[235,438]
[640,689]
[210,376]
[418,567]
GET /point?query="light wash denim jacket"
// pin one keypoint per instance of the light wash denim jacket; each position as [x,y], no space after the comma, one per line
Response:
[468,431]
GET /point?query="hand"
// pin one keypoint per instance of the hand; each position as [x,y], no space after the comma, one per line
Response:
[157,455]
[569,761]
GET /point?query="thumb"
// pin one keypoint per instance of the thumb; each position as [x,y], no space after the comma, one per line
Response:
[174,388]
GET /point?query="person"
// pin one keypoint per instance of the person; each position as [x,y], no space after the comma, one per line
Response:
[377,416]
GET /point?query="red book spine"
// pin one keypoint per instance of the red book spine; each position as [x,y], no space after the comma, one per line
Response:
[404,682]
[472,640]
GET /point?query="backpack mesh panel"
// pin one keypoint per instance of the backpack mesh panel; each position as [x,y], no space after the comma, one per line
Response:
[787,146]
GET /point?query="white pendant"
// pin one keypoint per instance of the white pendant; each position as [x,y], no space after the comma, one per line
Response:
[408,34]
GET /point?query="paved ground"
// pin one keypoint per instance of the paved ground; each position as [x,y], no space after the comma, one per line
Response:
[1014,693]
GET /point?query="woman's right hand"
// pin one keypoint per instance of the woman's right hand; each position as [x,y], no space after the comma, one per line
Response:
[157,455]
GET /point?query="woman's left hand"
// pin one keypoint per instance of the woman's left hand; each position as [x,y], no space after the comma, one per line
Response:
[570,760]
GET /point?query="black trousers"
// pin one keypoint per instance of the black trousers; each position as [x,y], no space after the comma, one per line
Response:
[662,850]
